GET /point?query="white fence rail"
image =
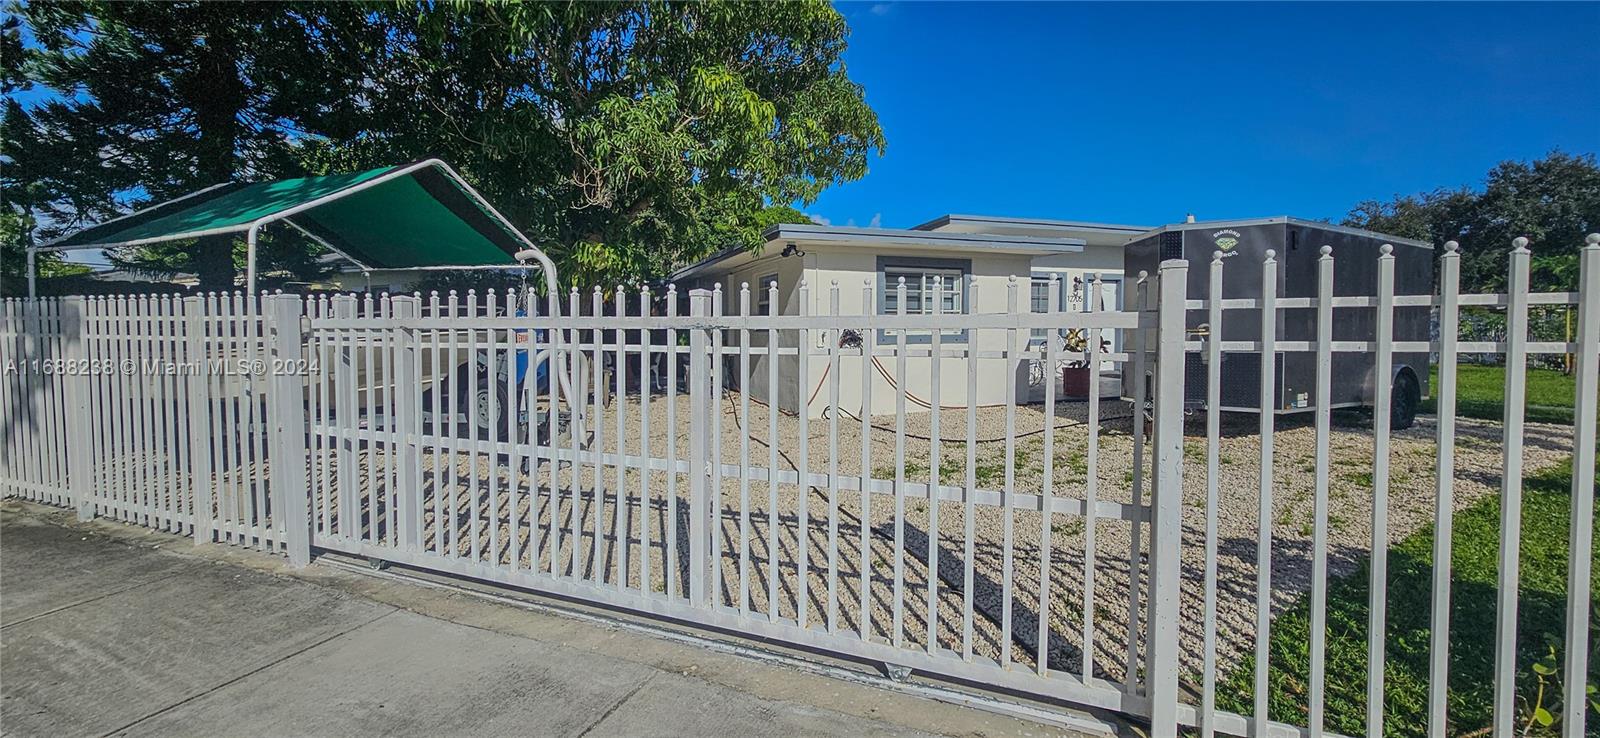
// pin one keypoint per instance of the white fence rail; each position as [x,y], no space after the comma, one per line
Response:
[697,460]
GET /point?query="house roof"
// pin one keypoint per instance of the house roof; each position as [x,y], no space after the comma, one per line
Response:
[1023,226]
[884,239]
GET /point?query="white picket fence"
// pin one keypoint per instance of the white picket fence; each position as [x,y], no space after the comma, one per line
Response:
[1043,550]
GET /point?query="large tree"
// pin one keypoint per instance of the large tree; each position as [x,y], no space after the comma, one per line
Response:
[628,137]
[154,100]
[1554,202]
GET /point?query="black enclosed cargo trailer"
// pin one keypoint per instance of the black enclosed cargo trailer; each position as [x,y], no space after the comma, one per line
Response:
[1297,243]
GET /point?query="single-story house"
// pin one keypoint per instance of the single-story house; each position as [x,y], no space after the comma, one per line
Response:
[972,257]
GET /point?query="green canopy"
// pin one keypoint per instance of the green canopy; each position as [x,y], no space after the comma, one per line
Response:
[416,216]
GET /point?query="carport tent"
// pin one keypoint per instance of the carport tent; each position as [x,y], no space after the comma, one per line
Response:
[415,216]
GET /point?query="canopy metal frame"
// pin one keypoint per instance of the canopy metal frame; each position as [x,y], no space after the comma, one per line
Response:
[252,231]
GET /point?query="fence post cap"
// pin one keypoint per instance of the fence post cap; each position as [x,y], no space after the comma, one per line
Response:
[1386,249]
[1520,243]
[1216,257]
[1451,246]
[1592,239]
[1326,250]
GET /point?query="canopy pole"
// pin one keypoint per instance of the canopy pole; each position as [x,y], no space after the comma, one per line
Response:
[250,259]
[33,271]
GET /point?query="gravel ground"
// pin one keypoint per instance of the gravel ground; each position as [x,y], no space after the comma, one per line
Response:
[774,521]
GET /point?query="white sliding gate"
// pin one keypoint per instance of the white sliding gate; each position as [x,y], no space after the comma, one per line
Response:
[717,466]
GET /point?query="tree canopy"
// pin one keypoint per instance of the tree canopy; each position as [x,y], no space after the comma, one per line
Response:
[1554,202]
[629,138]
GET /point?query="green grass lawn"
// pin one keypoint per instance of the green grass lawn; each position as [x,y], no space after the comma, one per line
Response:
[1480,393]
[1475,548]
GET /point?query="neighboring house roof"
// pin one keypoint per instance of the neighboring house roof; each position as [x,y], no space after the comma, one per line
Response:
[888,239]
[1024,226]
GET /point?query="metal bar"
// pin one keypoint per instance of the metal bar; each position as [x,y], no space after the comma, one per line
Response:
[1166,500]
[773,306]
[1505,645]
[833,462]
[714,407]
[620,514]
[1268,398]
[1444,485]
[869,341]
[1136,494]
[597,495]
[200,416]
[1319,507]
[646,372]
[1378,573]
[935,378]
[899,595]
[284,313]
[493,355]
[597,358]
[514,410]
[553,310]
[802,399]
[406,379]
[1008,553]
[80,423]
[1047,490]
[968,503]
[674,588]
[1580,551]
[745,380]
[1091,484]
[473,350]
[1208,657]
[699,409]
[437,433]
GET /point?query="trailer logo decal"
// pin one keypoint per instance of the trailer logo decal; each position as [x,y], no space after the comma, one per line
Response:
[1226,239]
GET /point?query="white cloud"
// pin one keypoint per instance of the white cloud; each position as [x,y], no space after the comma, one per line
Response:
[876,222]
[881,8]
[819,220]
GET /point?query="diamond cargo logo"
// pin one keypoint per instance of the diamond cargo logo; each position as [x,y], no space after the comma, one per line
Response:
[1226,240]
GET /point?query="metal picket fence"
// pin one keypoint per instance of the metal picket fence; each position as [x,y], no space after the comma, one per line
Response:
[706,462]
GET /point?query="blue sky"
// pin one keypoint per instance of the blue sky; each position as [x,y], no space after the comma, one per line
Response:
[1139,113]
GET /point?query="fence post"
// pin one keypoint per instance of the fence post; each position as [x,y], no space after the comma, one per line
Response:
[79,424]
[288,454]
[1166,499]
[700,404]
[407,384]
[1575,667]
[345,419]
[199,378]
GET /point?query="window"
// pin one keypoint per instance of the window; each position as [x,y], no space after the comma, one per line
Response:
[925,289]
[764,294]
[930,284]
[1039,299]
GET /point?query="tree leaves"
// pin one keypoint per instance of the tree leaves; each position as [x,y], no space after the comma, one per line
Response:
[629,138]
[1553,201]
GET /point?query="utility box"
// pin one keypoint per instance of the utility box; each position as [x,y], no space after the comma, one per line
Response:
[1244,245]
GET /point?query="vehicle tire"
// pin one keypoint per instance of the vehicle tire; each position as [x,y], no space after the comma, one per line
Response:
[1404,401]
[476,407]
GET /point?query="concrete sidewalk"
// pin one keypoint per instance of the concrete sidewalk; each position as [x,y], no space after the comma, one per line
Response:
[111,629]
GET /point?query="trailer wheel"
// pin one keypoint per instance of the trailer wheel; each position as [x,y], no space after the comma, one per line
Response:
[1404,400]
